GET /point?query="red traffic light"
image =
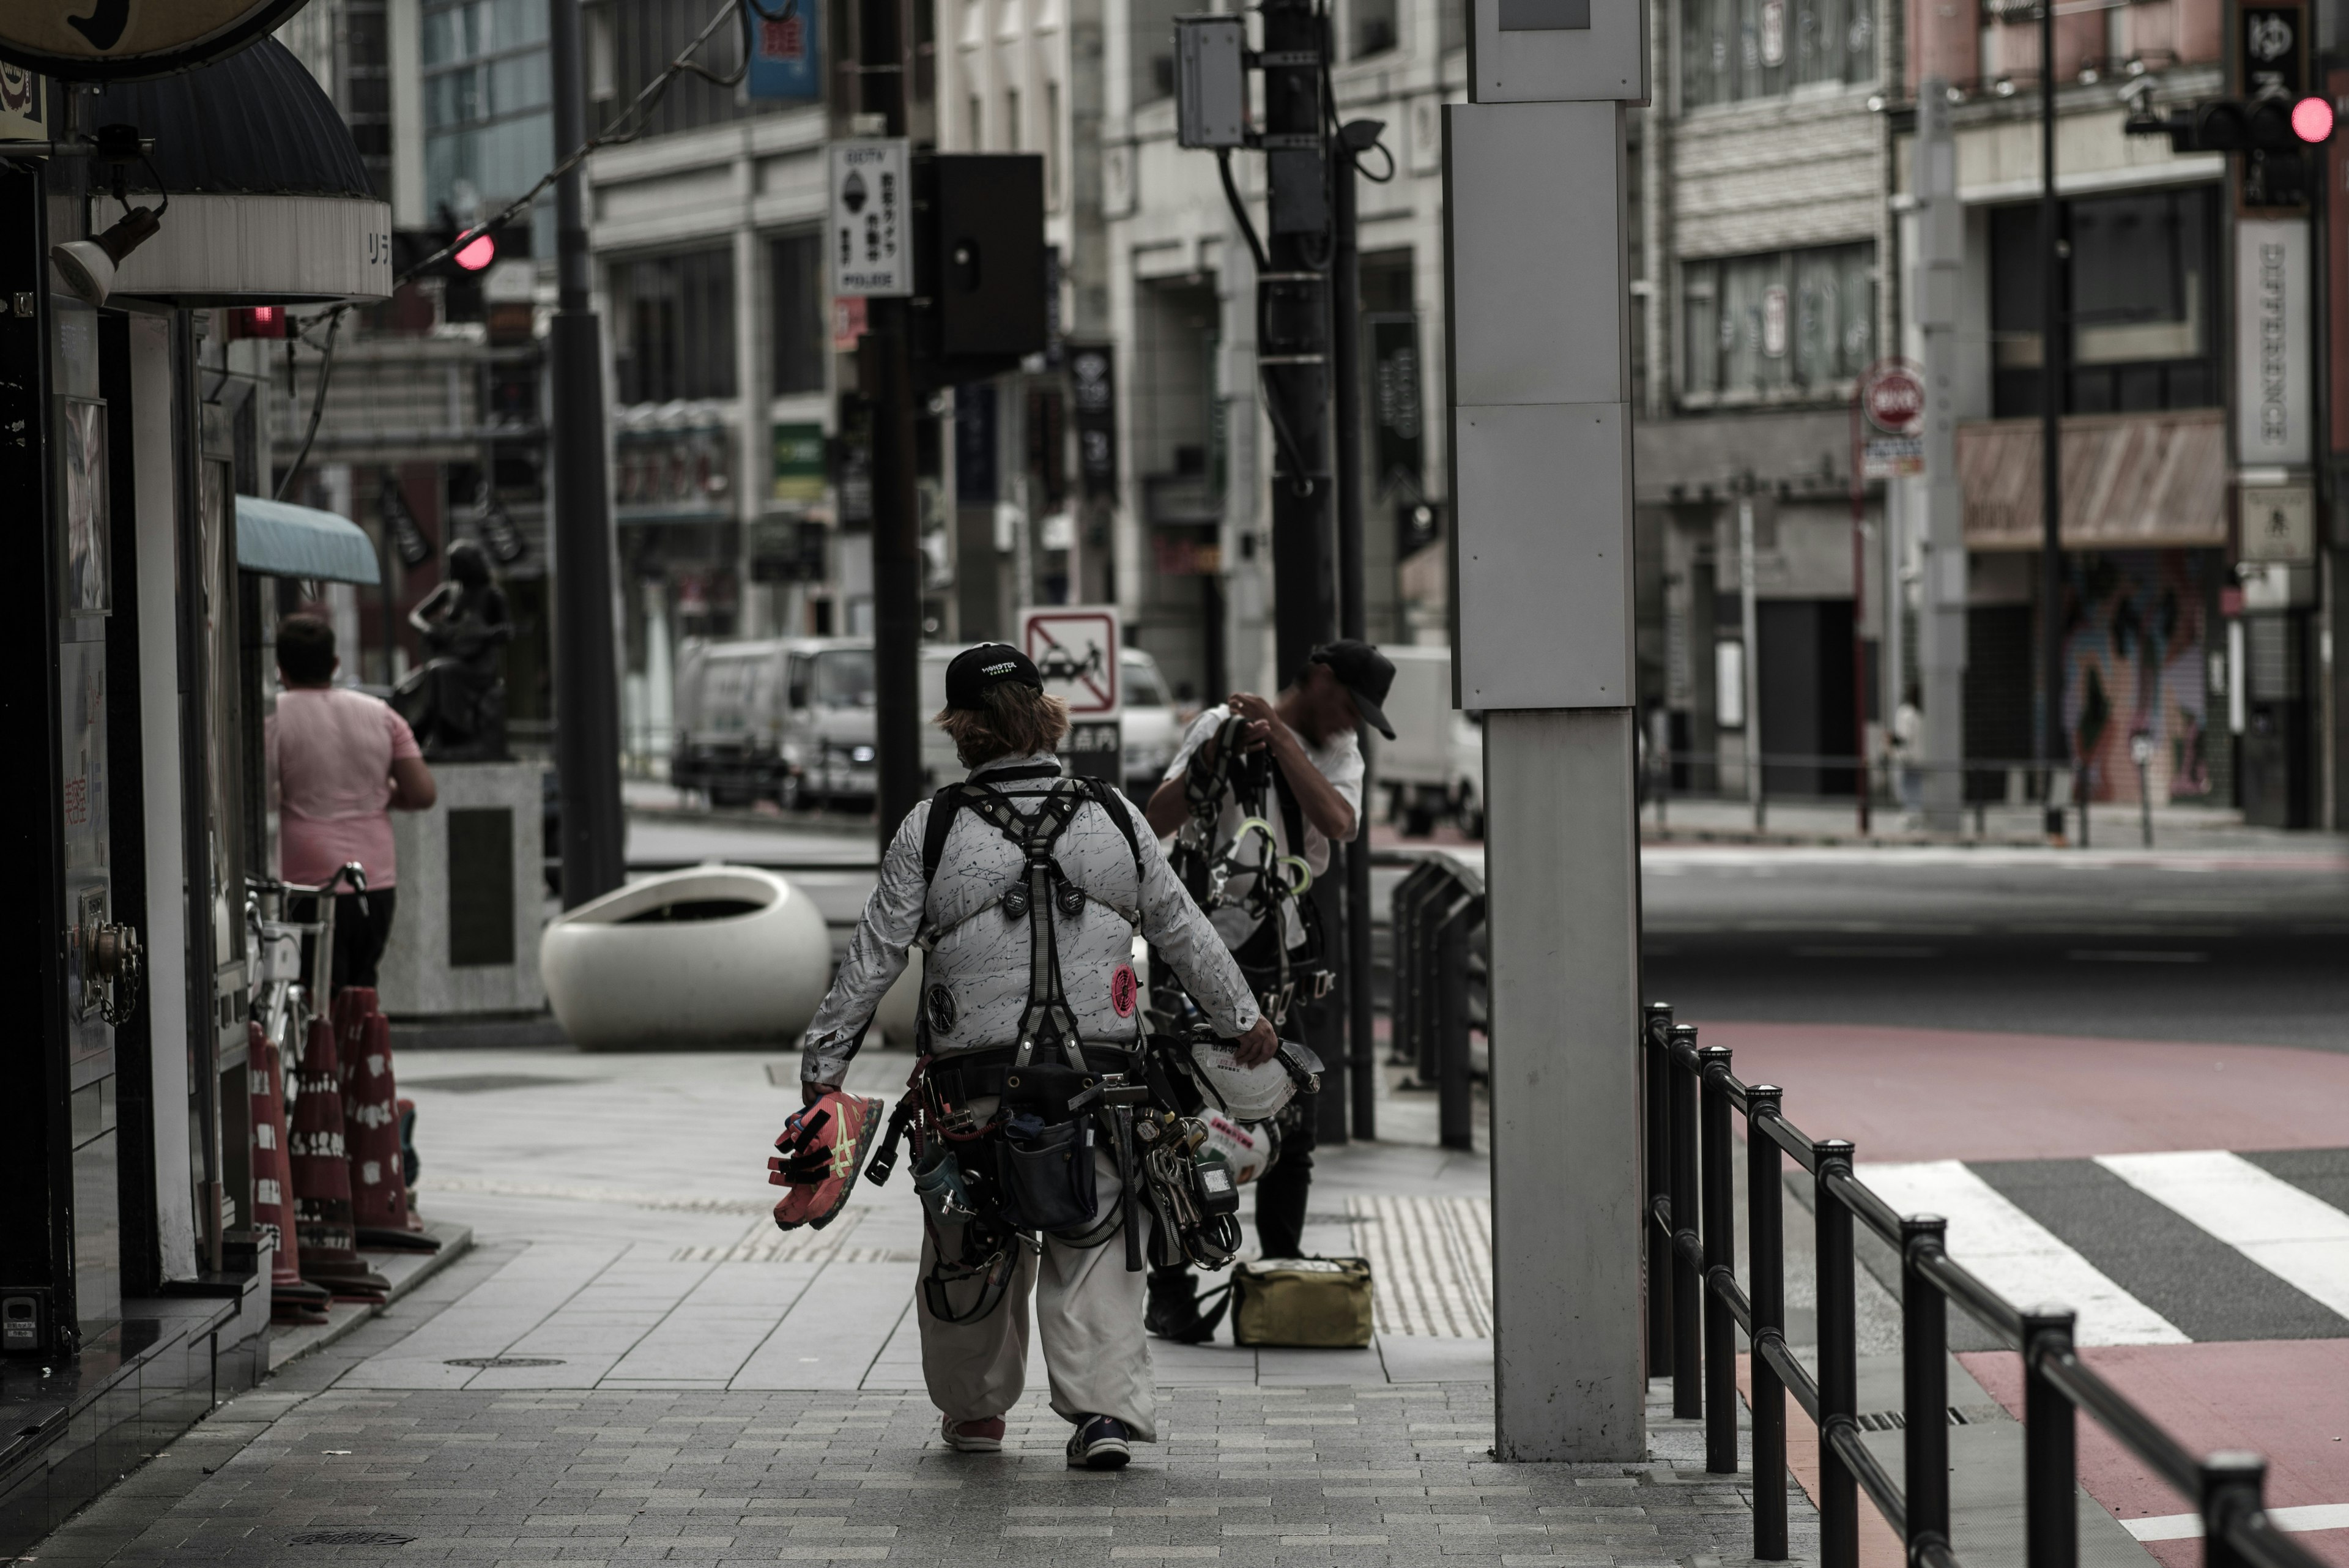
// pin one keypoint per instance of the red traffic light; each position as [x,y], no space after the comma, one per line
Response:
[477,253]
[2311,121]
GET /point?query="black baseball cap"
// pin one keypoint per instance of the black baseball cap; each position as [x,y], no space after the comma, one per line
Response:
[1364,671]
[976,670]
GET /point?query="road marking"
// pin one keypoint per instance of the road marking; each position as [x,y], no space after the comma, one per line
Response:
[1860,952]
[1433,1261]
[2017,1256]
[2134,955]
[2292,1234]
[2188,1526]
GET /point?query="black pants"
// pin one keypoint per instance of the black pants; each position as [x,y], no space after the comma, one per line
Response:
[359,939]
[1281,1192]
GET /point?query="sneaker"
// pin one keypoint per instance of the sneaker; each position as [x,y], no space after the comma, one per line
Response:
[981,1436]
[1099,1444]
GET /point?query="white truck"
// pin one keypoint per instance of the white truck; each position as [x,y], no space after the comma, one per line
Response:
[1434,769]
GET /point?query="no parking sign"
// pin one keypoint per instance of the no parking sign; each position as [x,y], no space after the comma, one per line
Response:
[1075,649]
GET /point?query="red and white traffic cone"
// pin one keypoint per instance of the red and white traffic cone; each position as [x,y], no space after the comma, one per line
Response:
[322,1176]
[371,1126]
[292,1299]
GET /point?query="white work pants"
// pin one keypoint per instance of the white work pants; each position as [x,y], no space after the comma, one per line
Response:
[1089,1311]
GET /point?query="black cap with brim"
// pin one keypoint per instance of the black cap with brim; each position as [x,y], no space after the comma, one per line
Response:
[1365,672]
[977,671]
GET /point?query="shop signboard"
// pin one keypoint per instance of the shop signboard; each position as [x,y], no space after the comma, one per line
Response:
[799,467]
[786,51]
[127,40]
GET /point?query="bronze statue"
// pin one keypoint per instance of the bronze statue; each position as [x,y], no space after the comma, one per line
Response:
[457,703]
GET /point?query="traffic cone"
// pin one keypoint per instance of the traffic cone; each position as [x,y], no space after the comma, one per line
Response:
[371,1126]
[322,1176]
[292,1299]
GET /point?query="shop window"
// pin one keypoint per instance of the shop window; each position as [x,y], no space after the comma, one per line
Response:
[801,334]
[2140,304]
[1781,325]
[1731,50]
[673,327]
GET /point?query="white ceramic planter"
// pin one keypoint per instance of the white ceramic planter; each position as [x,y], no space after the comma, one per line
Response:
[717,956]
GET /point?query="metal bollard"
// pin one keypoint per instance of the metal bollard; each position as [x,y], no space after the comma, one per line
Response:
[1720,1260]
[1655,1069]
[1455,1111]
[1838,1360]
[1688,1289]
[1925,1386]
[1765,1241]
[2050,1445]
[2234,1484]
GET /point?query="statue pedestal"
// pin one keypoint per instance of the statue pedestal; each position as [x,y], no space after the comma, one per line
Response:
[473,897]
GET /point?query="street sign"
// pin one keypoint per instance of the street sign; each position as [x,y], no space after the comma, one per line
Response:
[1893,397]
[1075,650]
[118,40]
[1893,457]
[871,233]
[2279,524]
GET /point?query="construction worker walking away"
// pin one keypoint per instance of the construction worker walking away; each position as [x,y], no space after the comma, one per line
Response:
[1026,889]
[1258,793]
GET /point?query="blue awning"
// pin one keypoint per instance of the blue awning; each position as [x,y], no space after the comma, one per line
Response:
[281,540]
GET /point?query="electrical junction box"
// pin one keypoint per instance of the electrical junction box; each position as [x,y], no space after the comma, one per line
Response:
[1553,51]
[1211,81]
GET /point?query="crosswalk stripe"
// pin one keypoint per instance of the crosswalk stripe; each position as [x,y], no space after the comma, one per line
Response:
[2293,1234]
[2188,1526]
[2017,1256]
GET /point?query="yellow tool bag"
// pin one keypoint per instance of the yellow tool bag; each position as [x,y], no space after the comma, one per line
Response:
[1308,1304]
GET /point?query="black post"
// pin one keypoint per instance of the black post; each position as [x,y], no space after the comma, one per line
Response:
[1345,351]
[1656,1064]
[586,683]
[1688,1287]
[2051,1518]
[1720,1206]
[1766,1295]
[1293,332]
[2233,1484]
[1455,1102]
[885,379]
[2048,742]
[1925,1386]
[1838,1360]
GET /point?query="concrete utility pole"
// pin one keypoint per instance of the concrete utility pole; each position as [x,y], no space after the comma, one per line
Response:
[884,375]
[1942,612]
[1539,347]
[594,836]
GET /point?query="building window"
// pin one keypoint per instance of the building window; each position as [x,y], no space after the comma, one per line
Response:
[1152,38]
[2141,300]
[1052,147]
[1011,120]
[673,327]
[977,127]
[648,35]
[1736,50]
[1783,325]
[489,129]
[1375,28]
[803,335]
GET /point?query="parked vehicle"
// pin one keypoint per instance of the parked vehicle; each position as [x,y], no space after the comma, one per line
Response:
[1434,769]
[1152,729]
[784,718]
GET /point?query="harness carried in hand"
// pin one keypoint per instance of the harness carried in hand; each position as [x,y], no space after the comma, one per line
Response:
[1277,971]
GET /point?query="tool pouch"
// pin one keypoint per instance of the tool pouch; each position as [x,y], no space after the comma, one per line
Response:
[1046,1173]
[1044,1090]
[938,1183]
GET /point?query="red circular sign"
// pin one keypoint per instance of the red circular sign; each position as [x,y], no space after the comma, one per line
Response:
[1894,400]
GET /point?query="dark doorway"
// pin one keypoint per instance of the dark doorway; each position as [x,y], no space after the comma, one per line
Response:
[1806,695]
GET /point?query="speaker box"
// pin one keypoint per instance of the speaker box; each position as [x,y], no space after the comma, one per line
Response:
[982,259]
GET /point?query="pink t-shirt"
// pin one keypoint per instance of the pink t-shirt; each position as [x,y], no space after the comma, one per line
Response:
[330,754]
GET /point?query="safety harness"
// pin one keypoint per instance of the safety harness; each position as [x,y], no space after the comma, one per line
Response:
[1280,974]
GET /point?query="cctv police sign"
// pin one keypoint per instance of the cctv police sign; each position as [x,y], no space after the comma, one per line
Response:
[125,40]
[871,234]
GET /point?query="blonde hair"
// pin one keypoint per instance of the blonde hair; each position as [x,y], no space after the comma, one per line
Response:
[1018,722]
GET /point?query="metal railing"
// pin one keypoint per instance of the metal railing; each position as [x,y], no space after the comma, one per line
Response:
[1437,912]
[1696,1308]
[1894,783]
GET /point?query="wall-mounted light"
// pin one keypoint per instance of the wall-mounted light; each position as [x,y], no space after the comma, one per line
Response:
[88,265]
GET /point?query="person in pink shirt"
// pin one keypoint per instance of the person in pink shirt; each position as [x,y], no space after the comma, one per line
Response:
[341,762]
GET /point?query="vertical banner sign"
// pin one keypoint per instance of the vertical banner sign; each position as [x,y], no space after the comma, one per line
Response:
[1075,648]
[1394,403]
[23,102]
[870,235]
[975,442]
[797,457]
[786,52]
[1092,391]
[2334,159]
[2272,347]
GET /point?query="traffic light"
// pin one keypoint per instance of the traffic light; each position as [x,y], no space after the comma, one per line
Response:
[2273,135]
[461,271]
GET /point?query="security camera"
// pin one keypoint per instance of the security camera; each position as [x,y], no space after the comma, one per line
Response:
[87,266]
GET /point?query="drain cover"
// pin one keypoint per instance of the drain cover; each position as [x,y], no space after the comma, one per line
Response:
[352,1538]
[503,1361]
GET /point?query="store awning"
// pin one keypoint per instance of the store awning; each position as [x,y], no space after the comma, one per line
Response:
[2130,482]
[280,540]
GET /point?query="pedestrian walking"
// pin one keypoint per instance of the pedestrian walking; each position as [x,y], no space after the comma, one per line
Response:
[340,763]
[1907,729]
[1260,790]
[1024,889]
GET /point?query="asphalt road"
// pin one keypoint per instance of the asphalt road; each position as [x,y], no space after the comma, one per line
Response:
[2221,948]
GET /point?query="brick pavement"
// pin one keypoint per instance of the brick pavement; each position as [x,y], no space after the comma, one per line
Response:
[1247,1474]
